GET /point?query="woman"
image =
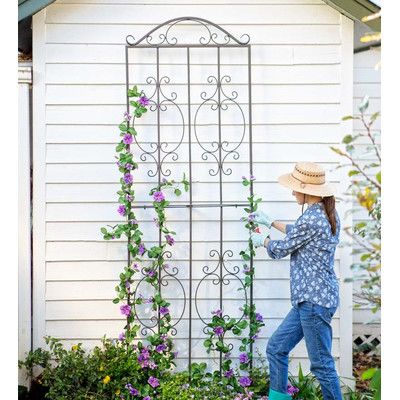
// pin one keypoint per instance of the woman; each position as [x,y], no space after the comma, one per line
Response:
[311,242]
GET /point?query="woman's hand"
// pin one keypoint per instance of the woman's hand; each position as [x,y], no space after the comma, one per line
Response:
[261,218]
[258,239]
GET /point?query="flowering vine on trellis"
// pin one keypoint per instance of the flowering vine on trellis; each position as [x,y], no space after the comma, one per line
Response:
[220,324]
[158,356]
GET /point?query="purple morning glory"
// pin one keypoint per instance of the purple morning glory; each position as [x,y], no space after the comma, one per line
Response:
[164,310]
[128,166]
[142,249]
[228,374]
[217,312]
[127,139]
[127,116]
[259,317]
[128,197]
[121,336]
[160,348]
[122,210]
[132,390]
[170,239]
[153,382]
[128,178]
[143,101]
[292,390]
[125,309]
[244,381]
[147,398]
[151,273]
[133,221]
[219,330]
[158,197]
[243,358]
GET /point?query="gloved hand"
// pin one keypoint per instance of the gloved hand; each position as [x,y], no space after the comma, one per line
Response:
[261,218]
[258,239]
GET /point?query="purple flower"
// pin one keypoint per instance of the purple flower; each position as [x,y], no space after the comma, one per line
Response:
[160,348]
[292,390]
[259,317]
[127,116]
[164,180]
[170,239]
[136,268]
[142,249]
[243,358]
[127,139]
[153,381]
[151,272]
[156,221]
[128,178]
[143,101]
[244,381]
[127,284]
[227,355]
[251,217]
[164,310]
[219,330]
[175,353]
[133,221]
[128,166]
[132,390]
[128,197]
[252,178]
[147,398]
[122,210]
[246,268]
[158,197]
[254,337]
[119,163]
[121,336]
[217,312]
[125,309]
[229,373]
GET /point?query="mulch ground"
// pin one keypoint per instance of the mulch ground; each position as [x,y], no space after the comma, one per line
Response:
[361,362]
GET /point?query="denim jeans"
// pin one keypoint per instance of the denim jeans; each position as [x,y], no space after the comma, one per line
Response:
[312,322]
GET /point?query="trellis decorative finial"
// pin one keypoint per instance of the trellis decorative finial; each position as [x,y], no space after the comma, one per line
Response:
[167,39]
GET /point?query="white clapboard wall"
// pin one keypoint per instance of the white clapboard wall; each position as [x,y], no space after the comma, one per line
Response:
[367,81]
[301,87]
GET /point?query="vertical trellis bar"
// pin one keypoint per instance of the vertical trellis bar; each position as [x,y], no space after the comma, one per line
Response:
[251,172]
[190,213]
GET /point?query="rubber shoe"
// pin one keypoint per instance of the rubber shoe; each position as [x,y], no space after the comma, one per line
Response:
[273,395]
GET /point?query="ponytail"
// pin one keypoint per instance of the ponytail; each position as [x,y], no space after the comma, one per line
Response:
[329,204]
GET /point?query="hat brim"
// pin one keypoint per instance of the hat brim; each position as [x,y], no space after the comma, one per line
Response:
[324,190]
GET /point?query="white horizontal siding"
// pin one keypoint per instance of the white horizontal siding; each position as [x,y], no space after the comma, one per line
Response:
[366,82]
[298,64]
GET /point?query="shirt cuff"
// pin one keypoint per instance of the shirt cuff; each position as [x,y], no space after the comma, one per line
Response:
[269,251]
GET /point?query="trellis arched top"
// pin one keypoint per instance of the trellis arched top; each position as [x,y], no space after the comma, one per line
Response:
[215,35]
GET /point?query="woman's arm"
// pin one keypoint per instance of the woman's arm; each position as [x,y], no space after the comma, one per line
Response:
[280,226]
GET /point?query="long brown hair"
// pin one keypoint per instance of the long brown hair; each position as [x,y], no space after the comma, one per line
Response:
[329,204]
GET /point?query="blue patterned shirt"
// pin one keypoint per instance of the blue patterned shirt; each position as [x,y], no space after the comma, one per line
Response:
[311,246]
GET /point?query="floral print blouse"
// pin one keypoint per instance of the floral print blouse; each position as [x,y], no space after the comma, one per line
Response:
[311,246]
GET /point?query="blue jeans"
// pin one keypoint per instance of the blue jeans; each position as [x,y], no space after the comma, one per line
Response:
[312,322]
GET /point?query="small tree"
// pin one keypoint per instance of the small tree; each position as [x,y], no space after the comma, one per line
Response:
[365,188]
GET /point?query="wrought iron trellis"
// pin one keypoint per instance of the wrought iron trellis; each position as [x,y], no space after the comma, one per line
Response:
[219,151]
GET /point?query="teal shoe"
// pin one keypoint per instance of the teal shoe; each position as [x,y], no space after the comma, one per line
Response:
[273,395]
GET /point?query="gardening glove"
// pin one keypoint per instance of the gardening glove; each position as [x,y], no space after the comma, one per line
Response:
[261,218]
[258,239]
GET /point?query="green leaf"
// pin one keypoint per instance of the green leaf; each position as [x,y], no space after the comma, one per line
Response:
[178,192]
[123,127]
[104,231]
[378,177]
[116,300]
[348,139]
[347,117]
[364,104]
[353,172]
[368,374]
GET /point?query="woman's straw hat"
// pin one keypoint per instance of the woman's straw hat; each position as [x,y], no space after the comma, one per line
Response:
[308,178]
